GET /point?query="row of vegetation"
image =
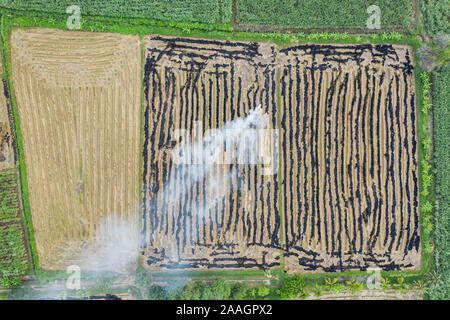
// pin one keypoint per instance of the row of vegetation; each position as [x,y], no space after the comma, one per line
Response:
[13,256]
[322,14]
[441,123]
[206,11]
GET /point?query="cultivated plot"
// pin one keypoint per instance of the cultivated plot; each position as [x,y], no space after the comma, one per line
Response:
[8,156]
[78,98]
[14,259]
[349,149]
[200,216]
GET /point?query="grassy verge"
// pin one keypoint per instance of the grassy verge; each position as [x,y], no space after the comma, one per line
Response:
[436,16]
[11,19]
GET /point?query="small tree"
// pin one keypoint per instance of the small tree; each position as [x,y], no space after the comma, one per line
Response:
[333,285]
[432,277]
[174,288]
[421,286]
[401,286]
[385,285]
[318,290]
[253,293]
[10,282]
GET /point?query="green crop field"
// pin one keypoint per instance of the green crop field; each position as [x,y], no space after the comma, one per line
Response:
[206,11]
[327,13]
[13,255]
[436,15]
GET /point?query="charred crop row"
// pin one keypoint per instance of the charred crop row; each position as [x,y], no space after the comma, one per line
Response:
[227,218]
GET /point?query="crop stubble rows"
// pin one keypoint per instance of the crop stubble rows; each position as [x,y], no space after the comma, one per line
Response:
[8,156]
[349,147]
[78,101]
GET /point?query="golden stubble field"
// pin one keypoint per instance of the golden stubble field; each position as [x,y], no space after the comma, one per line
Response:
[78,97]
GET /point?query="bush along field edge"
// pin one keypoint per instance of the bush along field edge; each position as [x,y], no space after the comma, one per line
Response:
[12,19]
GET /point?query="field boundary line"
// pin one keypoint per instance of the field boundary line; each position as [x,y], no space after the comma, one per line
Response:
[25,202]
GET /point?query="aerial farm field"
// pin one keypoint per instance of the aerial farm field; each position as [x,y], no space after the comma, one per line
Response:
[78,99]
[348,144]
[328,14]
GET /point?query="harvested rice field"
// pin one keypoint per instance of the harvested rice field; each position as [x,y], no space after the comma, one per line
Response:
[195,216]
[349,149]
[78,99]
